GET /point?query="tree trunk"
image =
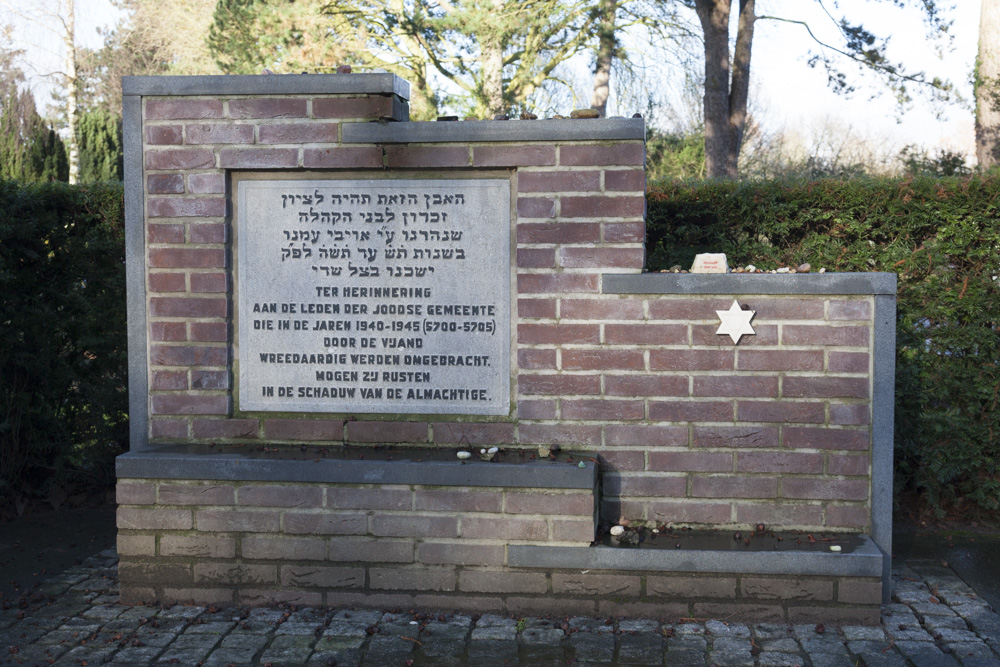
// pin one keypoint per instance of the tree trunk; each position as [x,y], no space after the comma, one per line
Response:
[988,86]
[492,54]
[725,100]
[72,93]
[605,56]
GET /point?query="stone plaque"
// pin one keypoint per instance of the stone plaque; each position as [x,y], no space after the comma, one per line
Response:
[374,296]
[710,263]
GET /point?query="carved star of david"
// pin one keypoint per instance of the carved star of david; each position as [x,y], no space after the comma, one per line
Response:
[735,322]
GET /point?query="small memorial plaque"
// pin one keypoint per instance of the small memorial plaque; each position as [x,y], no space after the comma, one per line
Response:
[374,296]
[710,263]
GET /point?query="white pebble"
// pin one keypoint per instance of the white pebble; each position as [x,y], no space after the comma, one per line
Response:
[492,450]
[464,455]
[751,268]
[834,547]
[617,530]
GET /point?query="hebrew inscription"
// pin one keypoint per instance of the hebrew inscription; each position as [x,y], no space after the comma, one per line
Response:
[364,296]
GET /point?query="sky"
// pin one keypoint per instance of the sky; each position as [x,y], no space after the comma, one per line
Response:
[788,96]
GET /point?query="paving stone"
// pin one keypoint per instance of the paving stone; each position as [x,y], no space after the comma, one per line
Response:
[253,644]
[953,622]
[309,615]
[210,628]
[333,643]
[875,658]
[494,633]
[739,659]
[35,654]
[985,623]
[586,624]
[290,628]
[863,633]
[953,635]
[785,645]
[640,649]
[627,626]
[728,644]
[596,647]
[160,639]
[93,655]
[493,652]
[345,658]
[930,609]
[971,652]
[356,616]
[688,629]
[195,642]
[103,612]
[687,644]
[127,625]
[771,631]
[720,629]
[289,650]
[541,635]
[772,659]
[687,658]
[904,632]
[137,654]
[923,654]
[182,612]
[493,620]
[830,660]
[824,644]
[345,629]
[387,650]
[443,639]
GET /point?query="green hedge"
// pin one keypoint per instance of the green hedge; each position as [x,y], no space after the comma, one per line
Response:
[942,237]
[63,405]
[63,360]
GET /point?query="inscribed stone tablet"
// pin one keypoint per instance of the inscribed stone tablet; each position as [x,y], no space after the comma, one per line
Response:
[710,263]
[374,296]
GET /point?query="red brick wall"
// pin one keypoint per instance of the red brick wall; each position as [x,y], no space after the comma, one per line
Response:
[689,428]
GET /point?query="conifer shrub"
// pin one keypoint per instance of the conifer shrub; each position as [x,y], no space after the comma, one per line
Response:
[63,358]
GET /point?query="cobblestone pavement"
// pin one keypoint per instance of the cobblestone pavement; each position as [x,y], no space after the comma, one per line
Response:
[75,619]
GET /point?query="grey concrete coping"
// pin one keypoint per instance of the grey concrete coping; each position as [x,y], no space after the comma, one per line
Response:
[276,84]
[748,283]
[595,129]
[190,462]
[865,561]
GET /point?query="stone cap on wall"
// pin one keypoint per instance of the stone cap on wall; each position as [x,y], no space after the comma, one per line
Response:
[865,561]
[267,84]
[749,283]
[199,462]
[595,129]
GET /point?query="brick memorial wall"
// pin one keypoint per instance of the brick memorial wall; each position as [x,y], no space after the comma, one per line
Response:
[294,435]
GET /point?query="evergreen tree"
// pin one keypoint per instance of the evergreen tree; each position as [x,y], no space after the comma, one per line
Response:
[30,150]
[100,141]
[46,157]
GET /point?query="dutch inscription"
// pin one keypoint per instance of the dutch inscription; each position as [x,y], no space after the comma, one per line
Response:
[374,296]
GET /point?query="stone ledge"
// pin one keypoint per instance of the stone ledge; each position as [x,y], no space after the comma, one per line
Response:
[865,561]
[278,84]
[193,462]
[749,283]
[467,131]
